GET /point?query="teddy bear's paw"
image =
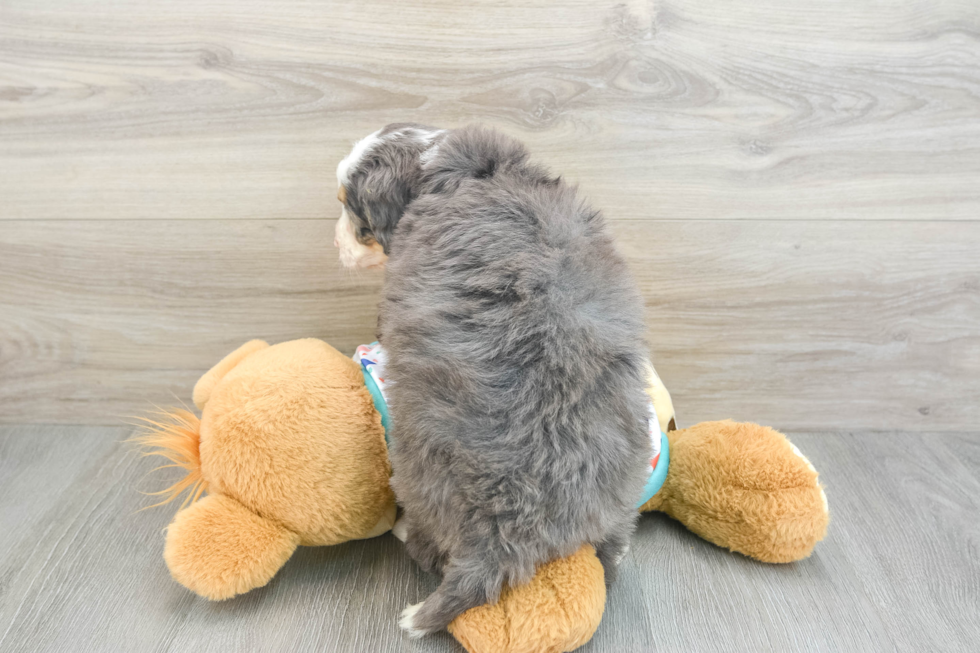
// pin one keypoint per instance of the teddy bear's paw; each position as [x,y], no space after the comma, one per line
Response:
[407,621]
[799,454]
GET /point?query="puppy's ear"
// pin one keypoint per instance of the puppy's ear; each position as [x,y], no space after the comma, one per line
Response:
[472,152]
[388,180]
[385,195]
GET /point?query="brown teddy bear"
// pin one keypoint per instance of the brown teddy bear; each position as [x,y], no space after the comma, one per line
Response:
[290,448]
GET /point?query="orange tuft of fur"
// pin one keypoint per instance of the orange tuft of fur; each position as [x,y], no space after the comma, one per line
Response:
[175,436]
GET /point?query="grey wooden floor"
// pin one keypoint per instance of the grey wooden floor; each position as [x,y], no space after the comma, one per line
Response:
[81,570]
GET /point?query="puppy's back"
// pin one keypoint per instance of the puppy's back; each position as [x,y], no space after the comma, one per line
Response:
[510,272]
[514,335]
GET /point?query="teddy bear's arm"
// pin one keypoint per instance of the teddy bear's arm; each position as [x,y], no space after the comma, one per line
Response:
[218,548]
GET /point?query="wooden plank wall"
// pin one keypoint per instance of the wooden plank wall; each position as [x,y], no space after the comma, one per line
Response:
[797,186]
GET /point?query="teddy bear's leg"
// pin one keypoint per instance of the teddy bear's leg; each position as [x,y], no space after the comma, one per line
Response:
[744,487]
[558,610]
[218,548]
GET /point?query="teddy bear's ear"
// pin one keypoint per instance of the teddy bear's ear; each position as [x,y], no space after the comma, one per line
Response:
[204,385]
[218,548]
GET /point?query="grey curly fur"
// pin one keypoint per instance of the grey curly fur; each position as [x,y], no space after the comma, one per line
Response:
[514,336]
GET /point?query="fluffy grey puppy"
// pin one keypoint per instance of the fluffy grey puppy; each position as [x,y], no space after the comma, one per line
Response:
[515,357]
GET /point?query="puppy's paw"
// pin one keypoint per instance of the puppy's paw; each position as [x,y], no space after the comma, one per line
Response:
[622,554]
[399,530]
[407,622]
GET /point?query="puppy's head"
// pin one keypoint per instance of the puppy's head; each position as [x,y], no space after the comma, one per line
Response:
[378,180]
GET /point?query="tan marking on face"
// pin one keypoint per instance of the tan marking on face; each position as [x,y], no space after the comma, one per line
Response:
[342,195]
[353,253]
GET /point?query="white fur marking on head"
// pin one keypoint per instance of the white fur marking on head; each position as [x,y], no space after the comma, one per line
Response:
[354,254]
[356,154]
[363,146]
[426,157]
[407,622]
[429,138]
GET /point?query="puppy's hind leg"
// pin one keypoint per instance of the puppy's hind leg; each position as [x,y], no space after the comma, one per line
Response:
[466,583]
[423,550]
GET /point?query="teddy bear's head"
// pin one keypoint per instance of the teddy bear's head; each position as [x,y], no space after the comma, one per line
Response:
[291,451]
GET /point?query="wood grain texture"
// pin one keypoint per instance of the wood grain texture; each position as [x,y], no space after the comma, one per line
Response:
[796,185]
[796,324]
[674,109]
[814,324]
[101,320]
[899,570]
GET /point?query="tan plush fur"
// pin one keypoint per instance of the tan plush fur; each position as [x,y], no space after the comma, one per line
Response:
[291,451]
[218,548]
[745,488]
[178,440]
[292,434]
[558,611]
